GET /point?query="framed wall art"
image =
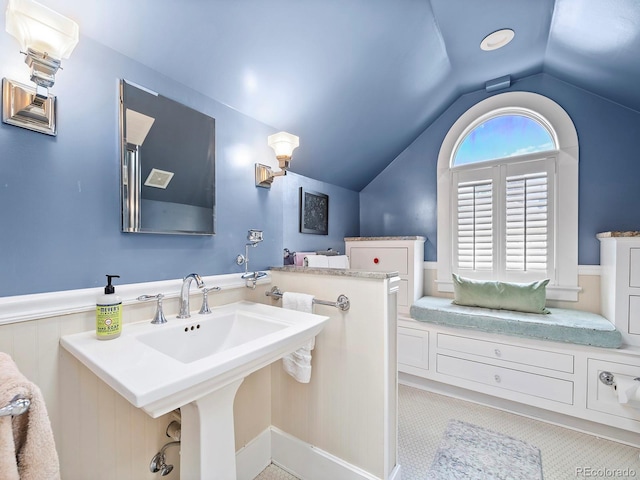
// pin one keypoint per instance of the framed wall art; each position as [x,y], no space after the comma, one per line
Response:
[314,212]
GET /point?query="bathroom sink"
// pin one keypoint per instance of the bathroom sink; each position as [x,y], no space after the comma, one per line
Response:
[162,367]
[209,335]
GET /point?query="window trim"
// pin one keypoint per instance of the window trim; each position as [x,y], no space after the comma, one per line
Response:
[564,285]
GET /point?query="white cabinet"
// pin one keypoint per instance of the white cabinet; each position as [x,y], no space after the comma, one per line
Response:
[620,282]
[561,381]
[404,255]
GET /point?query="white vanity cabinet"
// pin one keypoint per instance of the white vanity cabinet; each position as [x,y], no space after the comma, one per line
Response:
[389,254]
[620,282]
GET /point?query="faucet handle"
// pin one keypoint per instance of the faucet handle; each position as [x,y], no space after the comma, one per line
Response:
[205,299]
[159,317]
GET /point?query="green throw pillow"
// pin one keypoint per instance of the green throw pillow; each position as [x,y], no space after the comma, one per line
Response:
[521,297]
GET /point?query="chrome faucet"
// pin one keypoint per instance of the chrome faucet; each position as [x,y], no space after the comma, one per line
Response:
[184,293]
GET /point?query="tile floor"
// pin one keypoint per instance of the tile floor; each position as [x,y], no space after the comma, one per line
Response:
[566,454]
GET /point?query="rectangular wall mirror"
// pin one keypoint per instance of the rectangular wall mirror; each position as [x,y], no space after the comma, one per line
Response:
[167,165]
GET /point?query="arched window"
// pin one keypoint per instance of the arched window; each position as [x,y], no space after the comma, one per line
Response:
[507,132]
[507,194]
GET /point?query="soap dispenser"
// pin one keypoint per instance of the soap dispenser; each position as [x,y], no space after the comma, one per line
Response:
[109,312]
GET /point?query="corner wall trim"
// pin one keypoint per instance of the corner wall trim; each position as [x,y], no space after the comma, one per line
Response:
[299,458]
[254,457]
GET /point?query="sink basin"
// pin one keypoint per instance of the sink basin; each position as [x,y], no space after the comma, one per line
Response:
[210,335]
[162,367]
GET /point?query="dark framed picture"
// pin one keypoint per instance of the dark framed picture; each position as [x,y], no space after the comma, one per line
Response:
[314,212]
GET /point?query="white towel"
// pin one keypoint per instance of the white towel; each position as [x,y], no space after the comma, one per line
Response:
[338,261]
[319,261]
[298,363]
[298,258]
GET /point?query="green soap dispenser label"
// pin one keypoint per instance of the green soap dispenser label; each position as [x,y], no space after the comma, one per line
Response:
[108,320]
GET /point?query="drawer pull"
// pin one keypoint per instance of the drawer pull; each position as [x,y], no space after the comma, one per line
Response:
[376,260]
[497,378]
[497,352]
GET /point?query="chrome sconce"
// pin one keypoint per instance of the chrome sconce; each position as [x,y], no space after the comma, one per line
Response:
[45,37]
[283,144]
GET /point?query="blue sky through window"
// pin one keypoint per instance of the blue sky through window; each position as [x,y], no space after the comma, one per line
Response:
[503,136]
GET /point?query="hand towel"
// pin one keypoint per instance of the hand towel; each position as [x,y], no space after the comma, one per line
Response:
[298,363]
[339,261]
[319,261]
[27,447]
[299,258]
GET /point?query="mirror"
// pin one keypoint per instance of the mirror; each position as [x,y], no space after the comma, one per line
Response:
[167,165]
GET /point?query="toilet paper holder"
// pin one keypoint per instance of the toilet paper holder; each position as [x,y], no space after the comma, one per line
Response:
[609,379]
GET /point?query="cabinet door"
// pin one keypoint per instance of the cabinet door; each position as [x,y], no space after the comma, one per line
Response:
[413,349]
[634,267]
[604,398]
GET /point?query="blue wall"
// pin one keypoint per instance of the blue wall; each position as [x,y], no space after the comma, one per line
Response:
[402,200]
[59,196]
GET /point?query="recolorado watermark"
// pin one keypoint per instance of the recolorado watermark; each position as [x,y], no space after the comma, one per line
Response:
[599,472]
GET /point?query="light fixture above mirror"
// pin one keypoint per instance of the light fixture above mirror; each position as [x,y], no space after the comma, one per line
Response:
[283,144]
[45,37]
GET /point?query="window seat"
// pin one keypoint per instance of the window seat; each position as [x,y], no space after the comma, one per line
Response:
[561,325]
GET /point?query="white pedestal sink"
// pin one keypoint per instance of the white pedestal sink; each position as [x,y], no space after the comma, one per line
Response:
[196,364]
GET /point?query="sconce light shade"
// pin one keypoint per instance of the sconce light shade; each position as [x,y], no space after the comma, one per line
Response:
[45,38]
[283,144]
[41,29]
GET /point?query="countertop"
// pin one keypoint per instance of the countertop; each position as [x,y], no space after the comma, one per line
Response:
[363,239]
[633,233]
[338,272]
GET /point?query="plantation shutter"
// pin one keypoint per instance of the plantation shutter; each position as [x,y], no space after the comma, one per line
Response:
[475,225]
[527,222]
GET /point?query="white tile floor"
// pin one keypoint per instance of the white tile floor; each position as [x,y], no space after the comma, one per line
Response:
[566,454]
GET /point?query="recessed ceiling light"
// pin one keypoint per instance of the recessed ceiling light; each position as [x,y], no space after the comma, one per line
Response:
[497,39]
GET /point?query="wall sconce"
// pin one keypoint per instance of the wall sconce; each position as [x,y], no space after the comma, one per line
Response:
[45,37]
[283,144]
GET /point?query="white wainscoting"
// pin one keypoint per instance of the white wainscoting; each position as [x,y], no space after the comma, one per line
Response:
[99,435]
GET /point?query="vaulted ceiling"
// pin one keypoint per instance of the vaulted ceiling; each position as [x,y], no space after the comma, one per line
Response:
[359,80]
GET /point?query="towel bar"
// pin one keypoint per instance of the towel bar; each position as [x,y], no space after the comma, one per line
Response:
[342,303]
[17,406]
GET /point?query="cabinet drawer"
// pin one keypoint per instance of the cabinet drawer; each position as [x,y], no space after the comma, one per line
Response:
[380,259]
[508,353]
[413,348]
[505,378]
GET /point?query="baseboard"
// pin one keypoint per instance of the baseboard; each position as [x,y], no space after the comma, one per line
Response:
[254,457]
[299,458]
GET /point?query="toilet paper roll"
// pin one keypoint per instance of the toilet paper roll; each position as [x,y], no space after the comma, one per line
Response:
[628,390]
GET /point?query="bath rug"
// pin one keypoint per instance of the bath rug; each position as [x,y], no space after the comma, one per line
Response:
[469,452]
